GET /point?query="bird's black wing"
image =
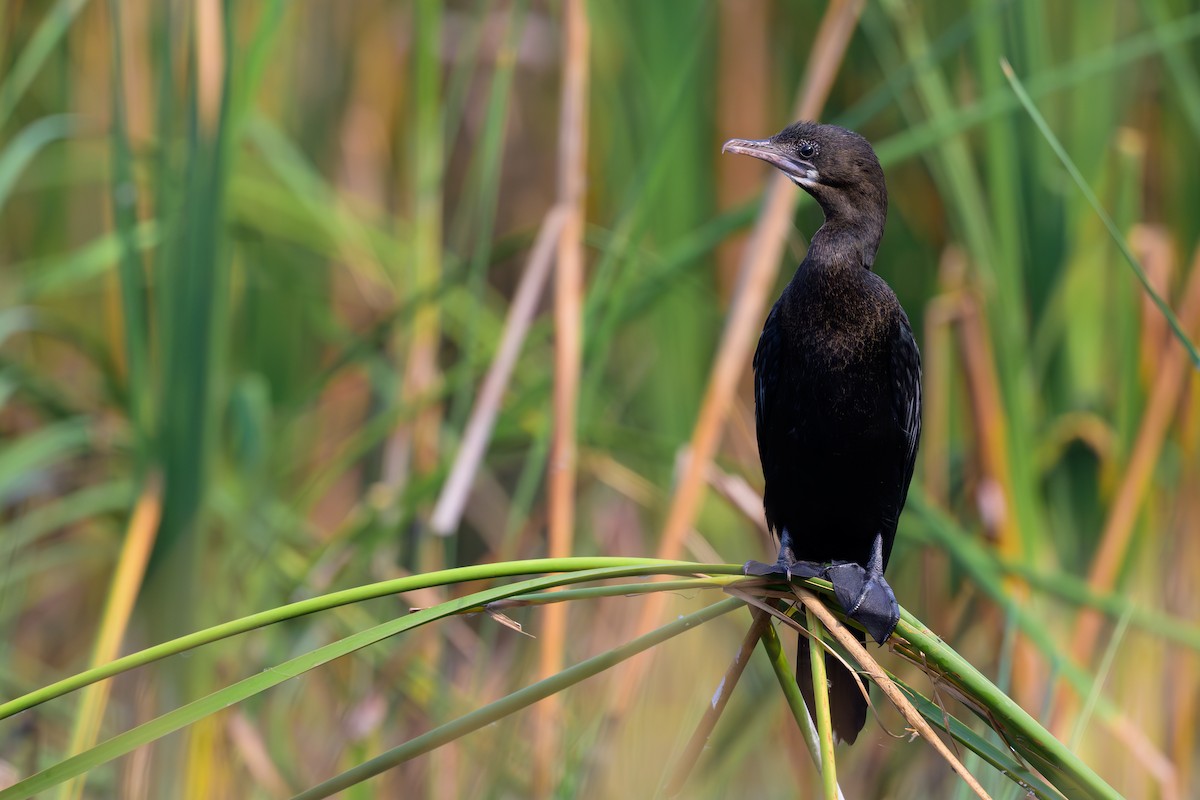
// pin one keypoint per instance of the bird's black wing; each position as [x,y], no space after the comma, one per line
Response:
[766,393]
[906,399]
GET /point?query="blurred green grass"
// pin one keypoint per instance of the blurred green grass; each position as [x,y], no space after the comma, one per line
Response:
[215,245]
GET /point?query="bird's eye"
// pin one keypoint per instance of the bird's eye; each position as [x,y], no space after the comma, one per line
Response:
[808,150]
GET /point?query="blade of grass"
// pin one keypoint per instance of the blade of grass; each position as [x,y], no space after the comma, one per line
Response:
[1019,89]
[248,687]
[132,280]
[639,566]
[419,442]
[1085,716]
[22,459]
[686,762]
[515,702]
[35,53]
[24,147]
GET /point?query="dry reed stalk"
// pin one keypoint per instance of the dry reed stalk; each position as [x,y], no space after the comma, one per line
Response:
[1160,769]
[478,432]
[568,304]
[122,595]
[942,315]
[1156,251]
[743,50]
[251,749]
[136,76]
[1184,666]
[729,681]
[1118,529]
[210,62]
[759,267]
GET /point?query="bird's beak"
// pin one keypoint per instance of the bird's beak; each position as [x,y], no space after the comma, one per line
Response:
[803,173]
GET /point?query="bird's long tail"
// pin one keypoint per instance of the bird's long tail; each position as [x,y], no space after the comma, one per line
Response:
[847,706]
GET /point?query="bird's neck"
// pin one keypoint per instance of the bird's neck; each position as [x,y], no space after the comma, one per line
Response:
[845,242]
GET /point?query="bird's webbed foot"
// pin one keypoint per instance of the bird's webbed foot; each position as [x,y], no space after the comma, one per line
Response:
[865,595]
[786,566]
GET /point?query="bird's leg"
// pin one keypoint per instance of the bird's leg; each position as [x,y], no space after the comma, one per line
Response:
[865,595]
[786,566]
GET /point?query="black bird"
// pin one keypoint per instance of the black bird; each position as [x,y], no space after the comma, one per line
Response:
[837,400]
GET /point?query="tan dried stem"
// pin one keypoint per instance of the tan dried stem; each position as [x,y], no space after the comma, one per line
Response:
[568,303]
[122,595]
[729,681]
[210,61]
[478,432]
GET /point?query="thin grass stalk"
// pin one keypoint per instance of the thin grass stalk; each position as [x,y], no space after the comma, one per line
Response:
[479,217]
[687,760]
[131,277]
[568,308]
[1179,330]
[1110,652]
[417,445]
[448,512]
[548,687]
[759,267]
[1125,296]
[122,594]
[820,681]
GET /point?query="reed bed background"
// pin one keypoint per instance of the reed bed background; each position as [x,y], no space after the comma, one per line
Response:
[301,296]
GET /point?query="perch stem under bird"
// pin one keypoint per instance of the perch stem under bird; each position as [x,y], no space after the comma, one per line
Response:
[837,379]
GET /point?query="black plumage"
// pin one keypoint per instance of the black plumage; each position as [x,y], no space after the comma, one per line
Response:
[837,396]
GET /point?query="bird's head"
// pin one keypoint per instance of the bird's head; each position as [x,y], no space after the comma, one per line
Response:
[836,166]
